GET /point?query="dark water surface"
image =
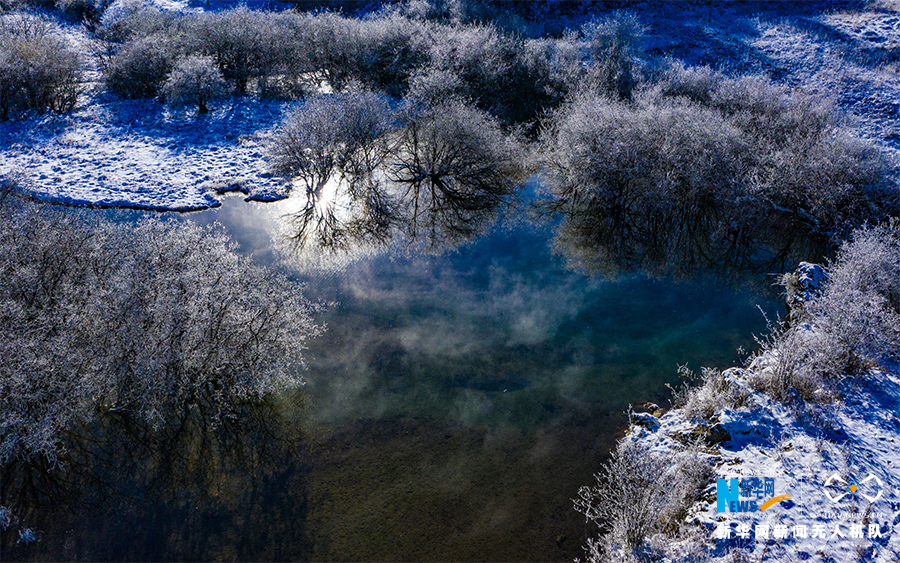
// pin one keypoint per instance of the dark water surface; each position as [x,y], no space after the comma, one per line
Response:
[453,408]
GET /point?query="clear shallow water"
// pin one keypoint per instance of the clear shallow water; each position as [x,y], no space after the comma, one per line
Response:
[453,408]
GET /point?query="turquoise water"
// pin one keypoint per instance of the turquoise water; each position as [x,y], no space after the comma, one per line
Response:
[452,409]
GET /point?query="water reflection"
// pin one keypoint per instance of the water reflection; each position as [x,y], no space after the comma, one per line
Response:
[127,492]
[611,240]
[433,176]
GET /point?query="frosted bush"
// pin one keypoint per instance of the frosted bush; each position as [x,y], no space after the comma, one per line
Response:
[437,171]
[701,170]
[126,21]
[643,182]
[454,165]
[38,69]
[139,69]
[194,80]
[338,139]
[241,42]
[149,321]
[851,326]
[639,494]
[716,391]
[614,45]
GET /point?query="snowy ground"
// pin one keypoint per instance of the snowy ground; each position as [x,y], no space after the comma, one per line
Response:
[801,448]
[142,154]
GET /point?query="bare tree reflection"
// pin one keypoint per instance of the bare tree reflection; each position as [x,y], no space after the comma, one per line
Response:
[431,173]
[620,241]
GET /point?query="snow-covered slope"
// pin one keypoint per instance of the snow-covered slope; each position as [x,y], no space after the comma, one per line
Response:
[800,447]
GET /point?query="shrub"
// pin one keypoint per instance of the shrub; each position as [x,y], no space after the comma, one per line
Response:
[332,146]
[637,494]
[715,391]
[642,182]
[150,321]
[38,69]
[129,21]
[195,80]
[433,86]
[805,164]
[851,326]
[437,172]
[700,170]
[390,49]
[241,41]
[140,68]
[88,11]
[454,166]
[487,61]
[290,71]
[614,46]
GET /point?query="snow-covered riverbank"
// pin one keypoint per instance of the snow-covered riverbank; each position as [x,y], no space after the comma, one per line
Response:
[799,446]
[803,443]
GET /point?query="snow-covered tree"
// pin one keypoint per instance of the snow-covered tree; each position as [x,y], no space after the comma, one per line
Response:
[139,68]
[195,80]
[39,71]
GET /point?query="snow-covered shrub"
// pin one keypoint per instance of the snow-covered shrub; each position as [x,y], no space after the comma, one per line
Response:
[83,10]
[431,86]
[39,71]
[148,320]
[804,163]
[701,170]
[131,20]
[242,42]
[389,50]
[290,72]
[493,67]
[140,68]
[697,83]
[852,326]
[195,80]
[454,165]
[641,182]
[714,391]
[614,45]
[638,494]
[332,147]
